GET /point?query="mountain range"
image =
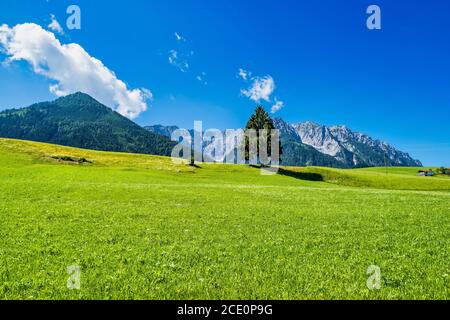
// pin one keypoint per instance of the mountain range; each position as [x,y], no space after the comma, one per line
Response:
[312,144]
[78,120]
[348,148]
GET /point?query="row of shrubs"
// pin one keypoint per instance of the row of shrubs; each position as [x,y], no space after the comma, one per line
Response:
[71,159]
[443,170]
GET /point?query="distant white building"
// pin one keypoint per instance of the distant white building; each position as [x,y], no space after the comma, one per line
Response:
[426,173]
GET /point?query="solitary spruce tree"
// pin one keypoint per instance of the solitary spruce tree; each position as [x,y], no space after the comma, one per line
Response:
[258,121]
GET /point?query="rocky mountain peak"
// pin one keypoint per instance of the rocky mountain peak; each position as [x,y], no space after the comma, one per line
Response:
[352,149]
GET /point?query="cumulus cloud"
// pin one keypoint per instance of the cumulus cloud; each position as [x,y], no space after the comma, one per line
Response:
[261,89]
[55,26]
[70,68]
[277,106]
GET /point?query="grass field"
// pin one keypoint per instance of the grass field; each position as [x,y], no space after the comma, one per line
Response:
[141,227]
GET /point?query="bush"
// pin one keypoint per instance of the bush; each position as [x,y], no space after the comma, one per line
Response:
[71,159]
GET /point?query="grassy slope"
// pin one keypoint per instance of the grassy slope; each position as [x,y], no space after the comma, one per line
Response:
[394,179]
[410,171]
[141,227]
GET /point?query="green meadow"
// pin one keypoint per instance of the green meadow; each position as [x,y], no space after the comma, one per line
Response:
[142,227]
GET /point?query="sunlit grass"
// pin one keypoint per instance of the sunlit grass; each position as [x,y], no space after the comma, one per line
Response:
[142,227]
[392,178]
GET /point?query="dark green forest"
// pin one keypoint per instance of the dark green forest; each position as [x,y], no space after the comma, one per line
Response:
[80,121]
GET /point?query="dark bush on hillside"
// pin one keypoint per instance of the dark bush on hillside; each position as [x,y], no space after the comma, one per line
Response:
[71,159]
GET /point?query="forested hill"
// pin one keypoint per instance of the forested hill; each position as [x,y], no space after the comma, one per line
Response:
[78,120]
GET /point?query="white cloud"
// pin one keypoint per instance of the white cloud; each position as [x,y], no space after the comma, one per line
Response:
[261,89]
[201,77]
[277,106]
[173,56]
[179,37]
[55,26]
[181,54]
[177,61]
[70,68]
[244,74]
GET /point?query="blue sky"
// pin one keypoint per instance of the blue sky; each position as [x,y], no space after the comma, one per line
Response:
[393,83]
